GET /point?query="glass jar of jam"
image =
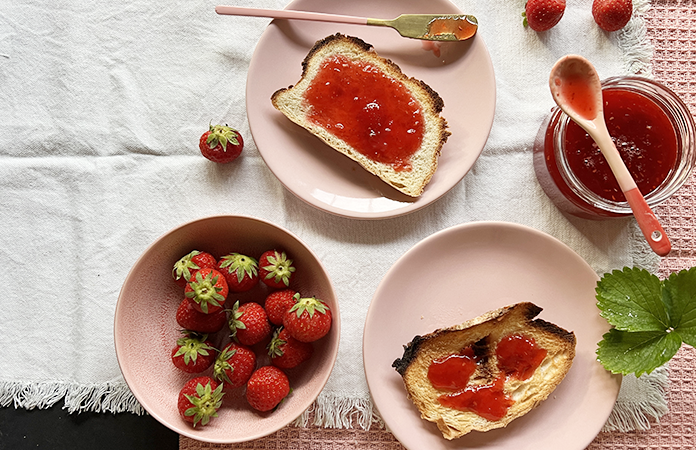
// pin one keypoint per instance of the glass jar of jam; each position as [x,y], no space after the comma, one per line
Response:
[652,129]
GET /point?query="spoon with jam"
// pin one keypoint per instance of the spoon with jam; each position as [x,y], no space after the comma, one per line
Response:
[577,89]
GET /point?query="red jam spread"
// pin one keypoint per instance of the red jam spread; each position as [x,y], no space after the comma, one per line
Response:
[643,135]
[578,94]
[372,112]
[442,26]
[518,357]
[488,401]
[452,372]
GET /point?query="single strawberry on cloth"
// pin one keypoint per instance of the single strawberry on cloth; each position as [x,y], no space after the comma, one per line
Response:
[99,157]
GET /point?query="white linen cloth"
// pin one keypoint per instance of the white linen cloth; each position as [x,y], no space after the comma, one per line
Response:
[101,107]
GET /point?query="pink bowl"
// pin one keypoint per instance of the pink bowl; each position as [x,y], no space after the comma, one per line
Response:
[145,327]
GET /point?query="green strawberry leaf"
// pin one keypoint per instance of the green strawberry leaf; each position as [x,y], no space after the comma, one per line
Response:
[679,296]
[636,352]
[631,300]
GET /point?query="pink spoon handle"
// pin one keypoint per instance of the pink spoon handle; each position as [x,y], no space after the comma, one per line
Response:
[648,223]
[289,14]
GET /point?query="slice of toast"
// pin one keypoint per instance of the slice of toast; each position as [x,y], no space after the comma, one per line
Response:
[421,166]
[483,334]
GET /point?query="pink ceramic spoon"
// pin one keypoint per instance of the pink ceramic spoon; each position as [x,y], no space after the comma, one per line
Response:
[577,90]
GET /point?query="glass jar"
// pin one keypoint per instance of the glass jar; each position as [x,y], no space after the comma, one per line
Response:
[568,168]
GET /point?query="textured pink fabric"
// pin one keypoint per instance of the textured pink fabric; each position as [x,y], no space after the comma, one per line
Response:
[672,31]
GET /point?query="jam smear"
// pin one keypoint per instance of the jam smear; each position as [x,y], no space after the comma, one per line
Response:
[519,356]
[488,401]
[643,135]
[441,26]
[372,112]
[576,91]
[452,372]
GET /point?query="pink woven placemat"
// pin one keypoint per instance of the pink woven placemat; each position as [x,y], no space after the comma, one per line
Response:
[672,31]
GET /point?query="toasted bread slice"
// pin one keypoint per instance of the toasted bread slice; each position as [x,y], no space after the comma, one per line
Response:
[292,102]
[484,333]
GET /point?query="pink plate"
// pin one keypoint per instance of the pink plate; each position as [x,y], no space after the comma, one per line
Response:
[145,328]
[461,273]
[462,75]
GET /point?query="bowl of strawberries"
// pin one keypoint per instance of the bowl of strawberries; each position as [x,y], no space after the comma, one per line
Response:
[227,328]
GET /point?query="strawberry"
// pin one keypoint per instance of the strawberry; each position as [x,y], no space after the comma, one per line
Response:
[275,269]
[240,271]
[208,290]
[308,320]
[277,303]
[287,352]
[266,388]
[221,144]
[187,266]
[612,15]
[199,400]
[234,365]
[542,15]
[193,353]
[248,323]
[190,318]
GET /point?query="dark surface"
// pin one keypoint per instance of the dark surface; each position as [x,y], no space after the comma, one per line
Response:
[56,429]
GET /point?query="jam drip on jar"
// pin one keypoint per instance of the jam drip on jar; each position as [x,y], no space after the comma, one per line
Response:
[372,112]
[517,357]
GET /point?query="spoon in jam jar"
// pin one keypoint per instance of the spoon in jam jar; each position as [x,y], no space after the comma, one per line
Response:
[429,27]
[577,89]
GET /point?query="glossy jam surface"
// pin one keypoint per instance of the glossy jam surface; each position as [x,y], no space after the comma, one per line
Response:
[488,401]
[643,135]
[576,93]
[518,357]
[452,372]
[459,27]
[372,112]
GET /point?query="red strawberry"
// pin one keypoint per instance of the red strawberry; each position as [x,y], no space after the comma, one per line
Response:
[208,290]
[193,353]
[221,144]
[275,269]
[199,400]
[309,319]
[612,15]
[240,271]
[277,304]
[542,15]
[287,352]
[249,323]
[266,388]
[187,266]
[190,318]
[234,365]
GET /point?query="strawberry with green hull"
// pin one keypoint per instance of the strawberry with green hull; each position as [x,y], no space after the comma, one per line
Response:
[189,318]
[221,144]
[208,291]
[286,352]
[241,272]
[193,353]
[234,365]
[275,269]
[277,304]
[248,323]
[199,400]
[188,265]
[266,388]
[308,320]
[542,15]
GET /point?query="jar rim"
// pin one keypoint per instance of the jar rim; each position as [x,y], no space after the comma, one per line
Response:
[684,128]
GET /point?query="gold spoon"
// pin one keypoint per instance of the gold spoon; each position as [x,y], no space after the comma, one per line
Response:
[429,27]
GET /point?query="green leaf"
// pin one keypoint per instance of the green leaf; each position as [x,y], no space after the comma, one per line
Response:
[631,300]
[679,296]
[636,352]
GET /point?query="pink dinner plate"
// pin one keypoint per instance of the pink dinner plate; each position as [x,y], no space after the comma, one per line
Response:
[462,272]
[462,75]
